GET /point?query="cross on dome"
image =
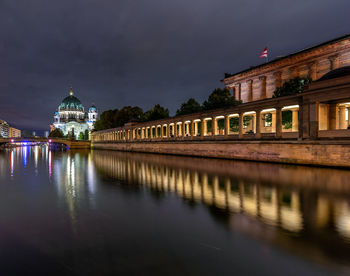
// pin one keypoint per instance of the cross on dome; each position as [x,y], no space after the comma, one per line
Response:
[71,91]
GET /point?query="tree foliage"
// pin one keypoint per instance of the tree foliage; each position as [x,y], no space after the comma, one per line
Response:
[117,118]
[191,106]
[156,113]
[86,135]
[56,133]
[220,98]
[292,87]
[81,136]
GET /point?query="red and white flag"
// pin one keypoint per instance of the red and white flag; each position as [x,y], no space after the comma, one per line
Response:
[264,53]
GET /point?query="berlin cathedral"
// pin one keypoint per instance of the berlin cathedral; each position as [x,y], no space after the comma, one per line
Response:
[71,117]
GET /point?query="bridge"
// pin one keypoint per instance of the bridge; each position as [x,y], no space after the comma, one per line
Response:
[71,144]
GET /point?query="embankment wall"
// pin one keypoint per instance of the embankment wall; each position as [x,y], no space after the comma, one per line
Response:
[317,153]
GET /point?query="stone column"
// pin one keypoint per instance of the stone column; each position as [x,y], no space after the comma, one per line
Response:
[258,124]
[273,121]
[214,126]
[348,116]
[238,91]
[278,79]
[202,128]
[312,70]
[342,118]
[234,92]
[205,127]
[183,130]
[192,129]
[175,130]
[195,128]
[278,122]
[262,87]
[334,62]
[250,90]
[240,130]
[168,134]
[294,72]
[227,126]
[332,116]
[314,119]
[295,119]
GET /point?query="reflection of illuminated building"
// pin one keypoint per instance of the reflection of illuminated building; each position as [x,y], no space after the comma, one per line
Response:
[270,204]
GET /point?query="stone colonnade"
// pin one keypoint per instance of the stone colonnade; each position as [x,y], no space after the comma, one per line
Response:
[249,124]
[304,69]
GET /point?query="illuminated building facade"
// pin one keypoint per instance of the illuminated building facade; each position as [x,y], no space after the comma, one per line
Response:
[71,117]
[14,132]
[6,131]
[260,82]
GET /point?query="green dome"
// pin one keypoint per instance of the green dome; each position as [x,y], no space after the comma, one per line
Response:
[71,103]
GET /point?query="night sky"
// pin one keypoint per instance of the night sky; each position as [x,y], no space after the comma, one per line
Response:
[143,52]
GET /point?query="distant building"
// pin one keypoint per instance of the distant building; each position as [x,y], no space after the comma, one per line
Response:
[46,134]
[4,129]
[71,117]
[14,132]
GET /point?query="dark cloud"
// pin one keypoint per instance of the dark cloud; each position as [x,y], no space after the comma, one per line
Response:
[142,52]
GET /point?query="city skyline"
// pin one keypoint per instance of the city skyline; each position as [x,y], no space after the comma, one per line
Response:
[117,54]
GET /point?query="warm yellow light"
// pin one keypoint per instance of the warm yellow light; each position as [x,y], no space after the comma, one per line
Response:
[249,113]
[290,107]
[268,110]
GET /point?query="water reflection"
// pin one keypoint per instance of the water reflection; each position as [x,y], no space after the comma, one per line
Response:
[303,209]
[174,215]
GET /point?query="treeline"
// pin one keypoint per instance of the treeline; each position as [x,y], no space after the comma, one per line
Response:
[219,98]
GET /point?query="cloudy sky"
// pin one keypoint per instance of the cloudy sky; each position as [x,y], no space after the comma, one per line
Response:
[143,52]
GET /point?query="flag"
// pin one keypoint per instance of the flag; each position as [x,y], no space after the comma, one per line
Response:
[264,53]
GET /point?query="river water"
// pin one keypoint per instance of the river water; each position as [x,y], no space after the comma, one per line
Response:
[114,213]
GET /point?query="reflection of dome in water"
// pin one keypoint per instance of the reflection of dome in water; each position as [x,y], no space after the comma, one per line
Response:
[337,73]
[71,103]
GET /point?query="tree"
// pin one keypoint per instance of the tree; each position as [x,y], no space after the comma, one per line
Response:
[292,87]
[26,134]
[56,133]
[117,118]
[86,135]
[81,136]
[220,98]
[191,106]
[127,114]
[106,120]
[156,113]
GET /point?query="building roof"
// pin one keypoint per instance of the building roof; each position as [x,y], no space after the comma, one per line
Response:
[337,73]
[290,55]
[71,103]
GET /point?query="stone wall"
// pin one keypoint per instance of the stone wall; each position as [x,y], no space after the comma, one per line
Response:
[307,153]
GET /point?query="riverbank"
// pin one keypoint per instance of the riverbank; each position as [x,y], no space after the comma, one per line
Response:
[316,153]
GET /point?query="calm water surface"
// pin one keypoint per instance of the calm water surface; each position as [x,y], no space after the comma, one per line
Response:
[113,213]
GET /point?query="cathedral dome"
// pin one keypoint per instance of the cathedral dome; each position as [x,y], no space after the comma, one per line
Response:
[71,103]
[93,109]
